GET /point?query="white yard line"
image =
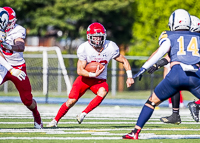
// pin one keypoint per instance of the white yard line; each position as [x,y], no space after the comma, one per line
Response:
[93,123]
[145,136]
[123,114]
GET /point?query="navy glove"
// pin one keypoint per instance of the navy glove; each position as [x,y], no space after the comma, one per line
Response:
[139,74]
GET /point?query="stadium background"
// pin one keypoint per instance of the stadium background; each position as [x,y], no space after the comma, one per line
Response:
[134,25]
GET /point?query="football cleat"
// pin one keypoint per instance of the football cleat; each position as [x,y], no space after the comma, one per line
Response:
[132,135]
[80,117]
[194,110]
[173,119]
[53,123]
[38,126]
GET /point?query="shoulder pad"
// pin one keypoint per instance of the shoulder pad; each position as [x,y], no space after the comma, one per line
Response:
[163,35]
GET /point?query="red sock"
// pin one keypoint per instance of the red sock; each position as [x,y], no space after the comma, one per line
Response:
[197,102]
[61,112]
[170,100]
[36,115]
[93,104]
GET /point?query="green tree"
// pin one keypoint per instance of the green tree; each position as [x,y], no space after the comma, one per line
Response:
[151,19]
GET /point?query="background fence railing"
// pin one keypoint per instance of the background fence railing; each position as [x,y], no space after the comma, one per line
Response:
[56,83]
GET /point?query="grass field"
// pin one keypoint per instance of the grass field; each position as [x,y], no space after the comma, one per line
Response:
[105,124]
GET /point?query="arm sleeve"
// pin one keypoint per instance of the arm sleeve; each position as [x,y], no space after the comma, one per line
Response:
[163,49]
[115,51]
[81,53]
[20,32]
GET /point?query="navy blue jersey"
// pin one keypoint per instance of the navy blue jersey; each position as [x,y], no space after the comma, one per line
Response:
[184,46]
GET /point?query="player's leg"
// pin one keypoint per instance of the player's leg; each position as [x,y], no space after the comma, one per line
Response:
[171,86]
[24,89]
[62,111]
[144,116]
[100,88]
[195,90]
[175,117]
[194,107]
[79,87]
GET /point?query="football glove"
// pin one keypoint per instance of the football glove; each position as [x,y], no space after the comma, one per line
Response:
[139,74]
[2,36]
[6,45]
[18,73]
[157,65]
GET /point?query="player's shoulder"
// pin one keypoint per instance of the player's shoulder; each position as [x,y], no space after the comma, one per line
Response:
[110,44]
[163,35]
[84,46]
[18,29]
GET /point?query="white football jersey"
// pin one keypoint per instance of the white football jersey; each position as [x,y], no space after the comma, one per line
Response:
[87,53]
[13,57]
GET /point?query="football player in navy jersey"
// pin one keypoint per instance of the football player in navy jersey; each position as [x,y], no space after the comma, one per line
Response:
[193,106]
[182,47]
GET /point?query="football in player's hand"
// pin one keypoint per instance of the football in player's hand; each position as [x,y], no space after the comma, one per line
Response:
[92,67]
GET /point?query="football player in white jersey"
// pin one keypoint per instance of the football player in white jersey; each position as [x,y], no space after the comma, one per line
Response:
[4,65]
[96,49]
[12,49]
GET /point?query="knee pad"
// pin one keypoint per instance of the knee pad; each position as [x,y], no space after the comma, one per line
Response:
[151,103]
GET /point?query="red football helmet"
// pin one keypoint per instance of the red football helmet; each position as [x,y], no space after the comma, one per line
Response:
[96,34]
[12,18]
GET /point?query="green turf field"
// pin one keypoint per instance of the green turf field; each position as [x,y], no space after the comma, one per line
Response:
[105,124]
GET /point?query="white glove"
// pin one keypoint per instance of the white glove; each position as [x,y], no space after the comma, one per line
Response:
[6,45]
[2,36]
[18,73]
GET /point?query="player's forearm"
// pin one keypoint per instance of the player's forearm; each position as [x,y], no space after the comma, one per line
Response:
[82,72]
[19,46]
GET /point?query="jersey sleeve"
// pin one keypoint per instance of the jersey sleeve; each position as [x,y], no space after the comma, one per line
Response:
[81,53]
[115,50]
[163,37]
[19,32]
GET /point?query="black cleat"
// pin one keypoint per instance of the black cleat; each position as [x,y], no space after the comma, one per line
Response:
[173,119]
[194,110]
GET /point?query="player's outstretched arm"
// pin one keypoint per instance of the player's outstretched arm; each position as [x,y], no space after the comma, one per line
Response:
[158,65]
[127,67]
[159,53]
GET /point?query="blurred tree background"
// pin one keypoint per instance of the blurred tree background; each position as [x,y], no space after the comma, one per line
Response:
[134,25]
